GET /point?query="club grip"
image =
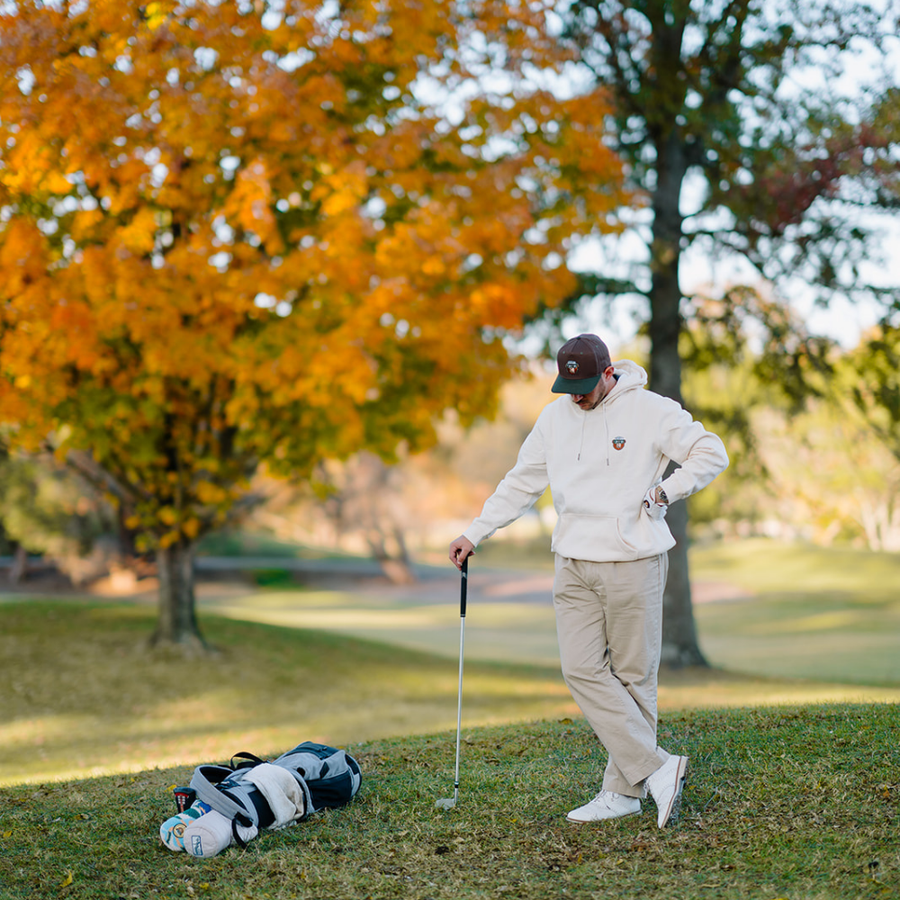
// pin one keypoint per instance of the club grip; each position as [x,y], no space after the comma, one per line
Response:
[464,583]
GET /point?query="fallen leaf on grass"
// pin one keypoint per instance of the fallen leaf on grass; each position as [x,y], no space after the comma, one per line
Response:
[67,880]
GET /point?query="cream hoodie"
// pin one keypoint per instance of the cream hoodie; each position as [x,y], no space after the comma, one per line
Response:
[599,465]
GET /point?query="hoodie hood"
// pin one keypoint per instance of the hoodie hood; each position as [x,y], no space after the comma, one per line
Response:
[629,376]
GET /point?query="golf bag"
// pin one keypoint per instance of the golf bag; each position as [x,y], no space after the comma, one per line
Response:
[326,777]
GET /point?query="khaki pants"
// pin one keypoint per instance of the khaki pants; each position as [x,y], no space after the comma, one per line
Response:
[609,623]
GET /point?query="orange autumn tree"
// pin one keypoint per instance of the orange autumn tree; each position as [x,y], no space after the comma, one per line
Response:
[234,234]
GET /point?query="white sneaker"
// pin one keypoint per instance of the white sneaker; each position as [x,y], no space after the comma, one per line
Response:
[606,805]
[665,786]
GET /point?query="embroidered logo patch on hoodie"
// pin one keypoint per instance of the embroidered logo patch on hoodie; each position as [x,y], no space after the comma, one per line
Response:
[618,442]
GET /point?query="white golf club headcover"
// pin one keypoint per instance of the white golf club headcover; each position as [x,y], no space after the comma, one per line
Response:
[211,834]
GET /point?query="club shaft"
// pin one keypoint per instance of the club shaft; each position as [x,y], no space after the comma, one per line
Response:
[463,592]
[462,644]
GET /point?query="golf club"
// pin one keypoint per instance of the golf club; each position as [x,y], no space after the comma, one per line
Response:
[450,802]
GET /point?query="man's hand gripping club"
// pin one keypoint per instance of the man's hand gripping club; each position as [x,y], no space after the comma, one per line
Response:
[460,550]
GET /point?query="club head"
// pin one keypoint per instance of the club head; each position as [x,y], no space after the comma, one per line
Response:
[448,802]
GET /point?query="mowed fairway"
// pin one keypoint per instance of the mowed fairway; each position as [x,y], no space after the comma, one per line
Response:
[762,609]
[823,614]
[83,697]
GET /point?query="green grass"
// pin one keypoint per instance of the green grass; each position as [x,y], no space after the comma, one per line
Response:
[824,615]
[83,696]
[795,802]
[770,567]
[790,796]
[814,613]
[495,631]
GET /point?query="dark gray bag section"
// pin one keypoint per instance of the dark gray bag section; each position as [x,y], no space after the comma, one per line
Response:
[328,777]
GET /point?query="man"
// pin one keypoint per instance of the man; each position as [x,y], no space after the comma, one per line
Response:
[604,451]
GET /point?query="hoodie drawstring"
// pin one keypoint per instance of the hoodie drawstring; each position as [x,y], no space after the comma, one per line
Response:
[606,428]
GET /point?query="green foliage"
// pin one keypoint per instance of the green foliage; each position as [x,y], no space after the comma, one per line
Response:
[273,578]
[807,424]
[742,103]
[722,389]
[824,430]
[788,142]
[870,376]
[736,94]
[246,543]
[47,509]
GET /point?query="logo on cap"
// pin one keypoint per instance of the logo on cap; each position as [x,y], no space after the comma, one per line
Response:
[572,366]
[618,442]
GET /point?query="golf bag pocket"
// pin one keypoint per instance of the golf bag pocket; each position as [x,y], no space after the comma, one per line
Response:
[330,777]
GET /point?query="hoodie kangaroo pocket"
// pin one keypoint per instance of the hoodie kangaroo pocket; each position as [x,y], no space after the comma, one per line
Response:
[591,537]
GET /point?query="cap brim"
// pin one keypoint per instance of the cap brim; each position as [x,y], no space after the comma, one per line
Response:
[575,386]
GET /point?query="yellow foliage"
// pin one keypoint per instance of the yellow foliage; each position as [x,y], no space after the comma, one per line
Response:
[210,493]
[249,204]
[84,223]
[169,539]
[155,15]
[206,255]
[26,163]
[343,190]
[138,236]
[56,183]
[167,515]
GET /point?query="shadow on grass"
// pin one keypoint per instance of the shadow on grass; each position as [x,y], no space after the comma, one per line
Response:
[84,696]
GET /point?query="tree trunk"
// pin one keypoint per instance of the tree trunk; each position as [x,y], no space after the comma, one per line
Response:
[177,623]
[397,567]
[19,569]
[680,646]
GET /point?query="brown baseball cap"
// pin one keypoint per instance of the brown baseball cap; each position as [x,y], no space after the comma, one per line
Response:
[581,363]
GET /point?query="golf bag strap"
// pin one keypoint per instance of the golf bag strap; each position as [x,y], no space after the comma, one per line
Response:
[264,816]
[234,833]
[204,781]
[250,760]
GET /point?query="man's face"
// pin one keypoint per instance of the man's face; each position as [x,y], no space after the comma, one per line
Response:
[606,383]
